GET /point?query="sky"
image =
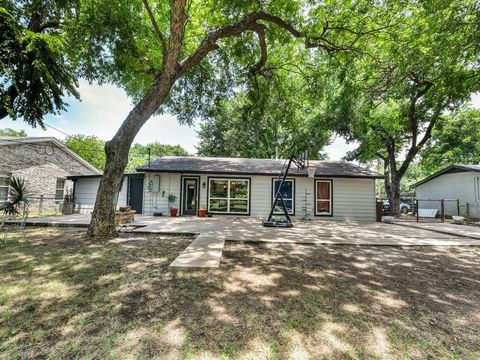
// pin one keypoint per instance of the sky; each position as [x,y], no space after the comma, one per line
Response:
[103,108]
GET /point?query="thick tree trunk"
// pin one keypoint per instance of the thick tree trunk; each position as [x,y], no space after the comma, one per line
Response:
[394,196]
[102,224]
[392,184]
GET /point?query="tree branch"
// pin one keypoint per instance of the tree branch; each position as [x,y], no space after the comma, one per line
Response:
[157,29]
[383,157]
[250,23]
[260,30]
[425,86]
[49,24]
[413,151]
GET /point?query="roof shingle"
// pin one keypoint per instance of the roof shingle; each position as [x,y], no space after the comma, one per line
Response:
[218,165]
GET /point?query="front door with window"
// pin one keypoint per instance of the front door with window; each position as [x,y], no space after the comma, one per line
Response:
[190,196]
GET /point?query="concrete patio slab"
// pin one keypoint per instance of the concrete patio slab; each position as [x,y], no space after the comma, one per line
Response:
[447,228]
[206,250]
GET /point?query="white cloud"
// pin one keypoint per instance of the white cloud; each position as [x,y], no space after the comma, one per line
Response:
[339,148]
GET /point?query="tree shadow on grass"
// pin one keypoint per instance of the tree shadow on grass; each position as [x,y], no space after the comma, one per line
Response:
[65,297]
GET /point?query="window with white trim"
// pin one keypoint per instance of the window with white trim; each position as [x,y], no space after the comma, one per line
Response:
[323,197]
[60,188]
[288,194]
[229,195]
[4,186]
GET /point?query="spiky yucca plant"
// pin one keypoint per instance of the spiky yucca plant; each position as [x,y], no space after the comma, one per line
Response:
[18,198]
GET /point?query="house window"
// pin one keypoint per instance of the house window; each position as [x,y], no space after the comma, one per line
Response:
[323,197]
[288,194]
[59,189]
[477,189]
[4,185]
[229,196]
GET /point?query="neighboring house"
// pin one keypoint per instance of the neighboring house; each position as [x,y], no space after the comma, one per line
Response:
[44,163]
[234,186]
[459,181]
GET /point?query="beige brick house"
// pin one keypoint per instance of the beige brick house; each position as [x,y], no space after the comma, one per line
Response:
[44,163]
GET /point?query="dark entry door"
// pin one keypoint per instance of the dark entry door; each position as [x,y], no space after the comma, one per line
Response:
[190,196]
[136,194]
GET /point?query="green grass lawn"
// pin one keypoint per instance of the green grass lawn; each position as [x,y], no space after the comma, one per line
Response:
[63,296]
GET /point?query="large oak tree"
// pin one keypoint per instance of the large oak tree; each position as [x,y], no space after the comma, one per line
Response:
[393,99]
[181,56]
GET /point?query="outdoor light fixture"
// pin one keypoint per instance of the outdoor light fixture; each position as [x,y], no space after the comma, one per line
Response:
[204,185]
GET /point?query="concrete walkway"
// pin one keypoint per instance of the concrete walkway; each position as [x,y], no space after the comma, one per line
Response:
[206,250]
[447,228]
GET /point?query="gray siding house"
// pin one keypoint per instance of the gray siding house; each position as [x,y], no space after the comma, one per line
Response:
[44,163]
[458,181]
[241,187]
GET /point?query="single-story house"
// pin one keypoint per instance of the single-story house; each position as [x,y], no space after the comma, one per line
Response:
[454,182]
[241,187]
[44,163]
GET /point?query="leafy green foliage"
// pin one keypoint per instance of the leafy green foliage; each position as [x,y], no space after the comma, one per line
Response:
[89,148]
[138,155]
[18,198]
[391,100]
[35,73]
[92,150]
[12,132]
[455,140]
[276,118]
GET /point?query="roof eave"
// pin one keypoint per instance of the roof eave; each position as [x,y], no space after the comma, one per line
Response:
[243,173]
[442,172]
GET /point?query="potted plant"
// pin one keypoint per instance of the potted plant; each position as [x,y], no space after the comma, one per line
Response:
[202,211]
[173,210]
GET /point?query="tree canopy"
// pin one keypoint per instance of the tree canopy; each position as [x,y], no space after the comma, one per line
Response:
[140,154]
[455,140]
[12,132]
[280,117]
[392,99]
[35,71]
[91,148]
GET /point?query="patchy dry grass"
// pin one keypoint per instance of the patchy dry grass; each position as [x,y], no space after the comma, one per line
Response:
[63,296]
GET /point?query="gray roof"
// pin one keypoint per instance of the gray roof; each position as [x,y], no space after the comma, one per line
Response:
[240,166]
[456,168]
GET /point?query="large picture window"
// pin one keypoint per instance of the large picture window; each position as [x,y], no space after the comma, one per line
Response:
[288,194]
[323,197]
[229,196]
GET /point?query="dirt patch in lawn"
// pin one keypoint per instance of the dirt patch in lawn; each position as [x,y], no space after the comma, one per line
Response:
[63,296]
